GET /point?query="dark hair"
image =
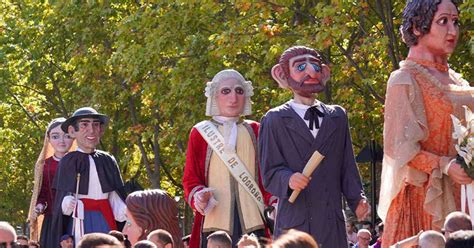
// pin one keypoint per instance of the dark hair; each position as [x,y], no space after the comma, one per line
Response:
[295,239]
[293,52]
[418,14]
[22,237]
[371,226]
[380,226]
[456,221]
[221,238]
[75,123]
[92,240]
[155,209]
[118,235]
[162,235]
[144,244]
[461,239]
[54,123]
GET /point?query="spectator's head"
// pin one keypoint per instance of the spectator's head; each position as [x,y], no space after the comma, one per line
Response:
[161,238]
[7,235]
[219,239]
[368,225]
[33,244]
[22,240]
[295,239]
[456,221]
[148,210]
[461,239]
[431,239]
[185,240]
[99,240]
[66,241]
[248,241]
[144,244]
[350,227]
[363,238]
[121,237]
[380,229]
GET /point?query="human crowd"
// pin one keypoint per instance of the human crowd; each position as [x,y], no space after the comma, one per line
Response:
[281,182]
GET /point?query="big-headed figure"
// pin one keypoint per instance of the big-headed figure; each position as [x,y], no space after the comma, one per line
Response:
[56,145]
[221,178]
[97,204]
[290,134]
[421,180]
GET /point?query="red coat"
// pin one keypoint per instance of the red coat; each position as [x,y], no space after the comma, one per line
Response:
[195,177]
[47,193]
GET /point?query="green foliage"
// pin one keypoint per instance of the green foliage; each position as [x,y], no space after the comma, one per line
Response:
[146,64]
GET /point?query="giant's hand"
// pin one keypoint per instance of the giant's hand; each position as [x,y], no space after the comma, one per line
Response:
[39,209]
[458,175]
[298,181]
[362,210]
[68,204]
[204,201]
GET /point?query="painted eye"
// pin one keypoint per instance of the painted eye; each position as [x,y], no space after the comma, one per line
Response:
[67,136]
[316,67]
[442,21]
[239,91]
[96,124]
[301,67]
[83,125]
[225,91]
[55,137]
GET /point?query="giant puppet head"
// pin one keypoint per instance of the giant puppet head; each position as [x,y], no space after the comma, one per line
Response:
[418,17]
[302,70]
[228,95]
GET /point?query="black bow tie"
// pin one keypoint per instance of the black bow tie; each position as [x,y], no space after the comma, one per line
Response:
[311,115]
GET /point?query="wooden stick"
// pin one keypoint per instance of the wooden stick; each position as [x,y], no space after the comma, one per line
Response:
[312,164]
[78,179]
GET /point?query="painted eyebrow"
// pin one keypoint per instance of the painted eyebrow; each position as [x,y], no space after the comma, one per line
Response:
[447,14]
[304,59]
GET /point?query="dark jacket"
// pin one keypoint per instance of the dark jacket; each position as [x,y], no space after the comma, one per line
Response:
[286,144]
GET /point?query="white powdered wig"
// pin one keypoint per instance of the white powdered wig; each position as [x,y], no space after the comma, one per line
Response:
[211,88]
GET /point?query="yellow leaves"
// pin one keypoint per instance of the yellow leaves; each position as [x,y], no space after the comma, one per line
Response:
[135,88]
[243,6]
[31,108]
[364,4]
[137,129]
[327,20]
[327,43]
[270,30]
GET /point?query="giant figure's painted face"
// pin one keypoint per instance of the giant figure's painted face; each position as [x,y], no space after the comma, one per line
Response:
[305,74]
[302,70]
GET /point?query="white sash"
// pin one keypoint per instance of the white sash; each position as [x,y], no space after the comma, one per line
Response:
[236,167]
[467,195]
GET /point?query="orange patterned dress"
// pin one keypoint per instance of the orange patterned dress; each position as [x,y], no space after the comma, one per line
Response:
[418,147]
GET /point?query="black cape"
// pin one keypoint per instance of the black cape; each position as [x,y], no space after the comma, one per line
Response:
[65,184]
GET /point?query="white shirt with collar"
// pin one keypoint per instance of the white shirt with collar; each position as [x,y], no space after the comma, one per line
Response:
[95,192]
[300,109]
